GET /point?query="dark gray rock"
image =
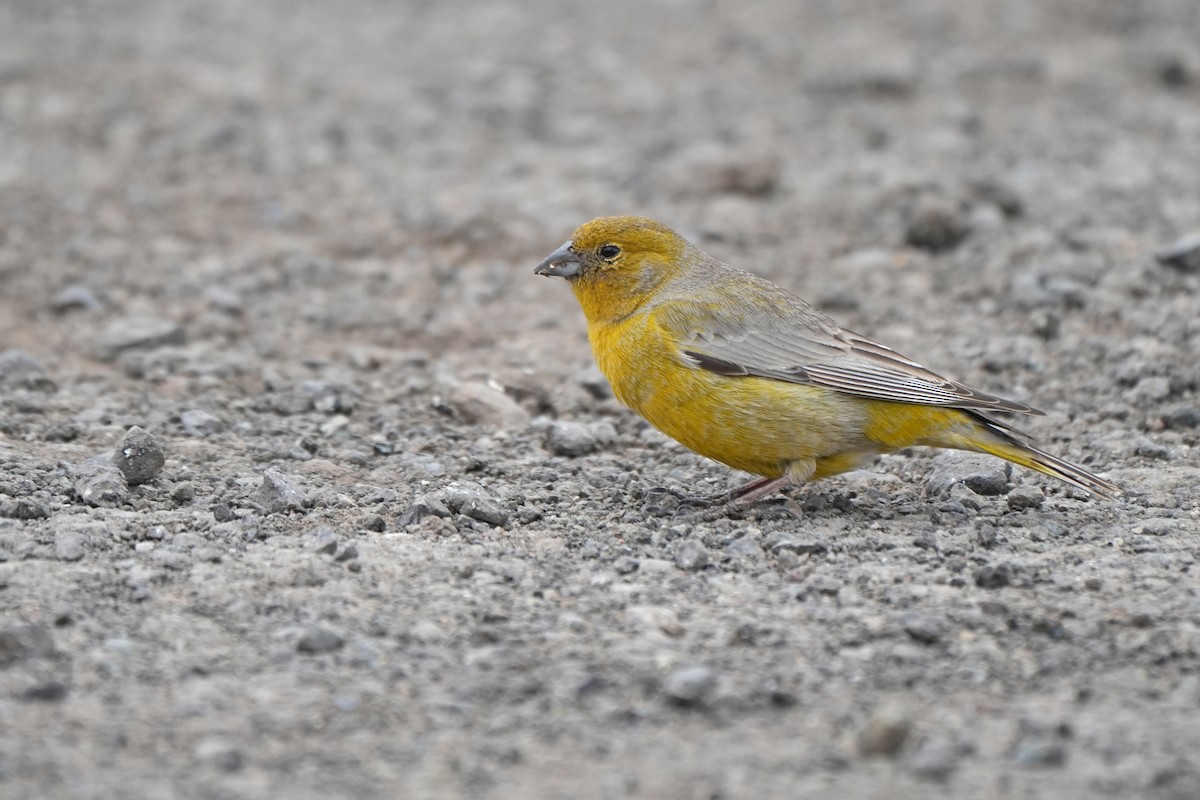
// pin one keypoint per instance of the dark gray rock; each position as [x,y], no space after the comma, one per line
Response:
[1183,254]
[982,474]
[936,224]
[485,510]
[924,628]
[423,506]
[317,640]
[140,456]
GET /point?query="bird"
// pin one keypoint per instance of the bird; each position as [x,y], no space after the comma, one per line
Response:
[741,371]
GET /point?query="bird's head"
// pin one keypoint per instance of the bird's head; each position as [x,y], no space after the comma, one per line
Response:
[615,264]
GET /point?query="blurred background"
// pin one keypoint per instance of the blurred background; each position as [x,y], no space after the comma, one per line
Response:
[289,154]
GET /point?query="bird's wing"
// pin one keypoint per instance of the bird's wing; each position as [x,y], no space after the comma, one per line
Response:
[777,336]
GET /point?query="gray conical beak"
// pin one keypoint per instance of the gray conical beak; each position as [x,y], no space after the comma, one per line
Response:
[562,263]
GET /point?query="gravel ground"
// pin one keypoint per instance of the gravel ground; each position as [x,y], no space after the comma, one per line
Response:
[309,488]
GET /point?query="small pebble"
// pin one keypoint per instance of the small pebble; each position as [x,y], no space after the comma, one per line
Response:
[140,456]
[318,640]
[45,692]
[279,493]
[485,510]
[1183,254]
[24,508]
[982,474]
[70,546]
[573,439]
[924,628]
[993,576]
[200,423]
[691,555]
[624,565]
[934,760]
[19,370]
[76,296]
[422,506]
[1180,418]
[690,685]
[98,482]
[478,403]
[1025,496]
[324,541]
[20,642]
[137,333]
[885,732]
[1040,752]
[936,225]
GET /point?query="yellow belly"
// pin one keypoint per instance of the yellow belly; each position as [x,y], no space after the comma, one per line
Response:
[762,426]
[753,424]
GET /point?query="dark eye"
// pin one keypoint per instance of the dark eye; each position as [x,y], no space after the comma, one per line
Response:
[610,251]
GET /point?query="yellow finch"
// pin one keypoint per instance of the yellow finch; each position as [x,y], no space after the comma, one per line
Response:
[739,370]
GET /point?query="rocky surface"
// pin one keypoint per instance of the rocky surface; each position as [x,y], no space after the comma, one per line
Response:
[309,489]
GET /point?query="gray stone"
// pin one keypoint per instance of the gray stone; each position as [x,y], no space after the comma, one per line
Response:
[1182,418]
[24,508]
[885,732]
[279,493]
[936,224]
[200,423]
[45,692]
[1025,496]
[137,333]
[1183,254]
[478,403]
[690,555]
[423,506]
[98,482]
[325,541]
[982,474]
[140,456]
[935,759]
[19,370]
[20,642]
[76,296]
[624,565]
[572,439]
[318,640]
[485,510]
[690,685]
[70,546]
[993,576]
[1039,751]
[924,628]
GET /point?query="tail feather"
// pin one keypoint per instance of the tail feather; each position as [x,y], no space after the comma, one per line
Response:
[1017,447]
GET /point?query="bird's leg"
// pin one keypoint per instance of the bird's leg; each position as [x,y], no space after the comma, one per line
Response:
[798,473]
[718,499]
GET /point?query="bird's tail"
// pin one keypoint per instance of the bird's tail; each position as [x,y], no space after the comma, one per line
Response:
[1012,445]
